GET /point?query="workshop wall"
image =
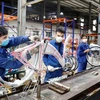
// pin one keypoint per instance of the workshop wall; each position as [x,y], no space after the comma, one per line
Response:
[32,26]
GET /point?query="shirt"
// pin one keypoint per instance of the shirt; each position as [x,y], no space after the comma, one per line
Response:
[7,61]
[50,59]
[81,56]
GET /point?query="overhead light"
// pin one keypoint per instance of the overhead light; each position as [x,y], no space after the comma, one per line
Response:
[82,20]
[61,13]
[94,28]
[82,24]
[30,5]
[44,17]
[35,18]
[75,18]
[94,22]
[89,31]
[55,16]
[38,18]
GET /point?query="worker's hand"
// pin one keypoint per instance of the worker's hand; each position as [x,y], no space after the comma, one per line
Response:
[34,38]
[50,68]
[86,51]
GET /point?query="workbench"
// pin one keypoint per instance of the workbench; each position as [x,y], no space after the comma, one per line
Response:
[81,85]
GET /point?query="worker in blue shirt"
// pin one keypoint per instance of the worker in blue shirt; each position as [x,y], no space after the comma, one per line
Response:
[82,50]
[7,61]
[50,61]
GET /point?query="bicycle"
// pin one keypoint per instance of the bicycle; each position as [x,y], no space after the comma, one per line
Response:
[93,57]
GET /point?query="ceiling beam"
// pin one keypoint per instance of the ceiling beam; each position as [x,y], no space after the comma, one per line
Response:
[32,2]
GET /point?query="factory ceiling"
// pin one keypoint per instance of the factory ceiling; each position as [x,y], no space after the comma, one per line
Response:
[69,8]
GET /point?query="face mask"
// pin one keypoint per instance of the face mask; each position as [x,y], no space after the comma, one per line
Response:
[5,42]
[84,40]
[59,39]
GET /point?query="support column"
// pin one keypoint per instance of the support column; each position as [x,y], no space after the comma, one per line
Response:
[19,17]
[58,8]
[58,11]
[2,17]
[23,15]
[99,27]
[89,26]
[12,3]
[44,3]
[21,21]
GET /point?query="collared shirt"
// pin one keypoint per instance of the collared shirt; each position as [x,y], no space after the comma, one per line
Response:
[7,61]
[81,56]
[50,59]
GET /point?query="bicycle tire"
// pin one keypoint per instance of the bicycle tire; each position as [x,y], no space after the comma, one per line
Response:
[93,57]
[73,61]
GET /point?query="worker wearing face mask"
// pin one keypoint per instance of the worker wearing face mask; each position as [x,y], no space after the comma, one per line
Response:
[83,49]
[7,61]
[50,61]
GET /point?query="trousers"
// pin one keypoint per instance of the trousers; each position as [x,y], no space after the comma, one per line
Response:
[81,66]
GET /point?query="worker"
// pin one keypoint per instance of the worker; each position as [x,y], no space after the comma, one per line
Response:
[82,50]
[7,61]
[50,61]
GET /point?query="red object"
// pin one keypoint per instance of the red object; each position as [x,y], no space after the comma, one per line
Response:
[0,84]
[10,70]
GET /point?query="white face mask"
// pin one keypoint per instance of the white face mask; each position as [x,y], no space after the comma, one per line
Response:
[84,40]
[59,39]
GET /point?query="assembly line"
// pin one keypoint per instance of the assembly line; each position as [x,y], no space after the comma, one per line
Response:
[50,50]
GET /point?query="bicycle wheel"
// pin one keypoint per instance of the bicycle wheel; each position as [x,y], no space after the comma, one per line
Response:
[71,63]
[93,57]
[68,64]
[73,60]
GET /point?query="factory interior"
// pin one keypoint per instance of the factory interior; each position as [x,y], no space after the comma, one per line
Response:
[49,49]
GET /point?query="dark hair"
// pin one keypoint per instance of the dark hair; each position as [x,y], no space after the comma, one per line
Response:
[83,35]
[61,30]
[3,31]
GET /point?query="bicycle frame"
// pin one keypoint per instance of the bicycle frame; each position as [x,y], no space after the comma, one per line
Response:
[19,54]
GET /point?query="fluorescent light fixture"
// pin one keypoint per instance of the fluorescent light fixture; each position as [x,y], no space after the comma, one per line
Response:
[61,13]
[94,28]
[89,31]
[38,18]
[82,20]
[75,18]
[82,24]
[35,18]
[55,16]
[44,17]
[94,22]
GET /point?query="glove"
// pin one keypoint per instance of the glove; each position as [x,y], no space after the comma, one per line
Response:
[50,68]
[34,38]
